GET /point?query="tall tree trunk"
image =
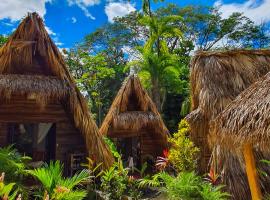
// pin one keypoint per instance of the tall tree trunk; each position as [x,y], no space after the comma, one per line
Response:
[156,93]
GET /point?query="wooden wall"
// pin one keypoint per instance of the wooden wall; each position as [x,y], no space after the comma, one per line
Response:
[151,145]
[21,110]
[3,134]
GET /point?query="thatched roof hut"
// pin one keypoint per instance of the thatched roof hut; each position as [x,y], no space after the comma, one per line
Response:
[245,125]
[33,70]
[134,114]
[217,78]
[245,120]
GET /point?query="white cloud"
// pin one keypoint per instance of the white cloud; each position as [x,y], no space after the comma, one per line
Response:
[49,30]
[16,9]
[73,20]
[256,11]
[118,9]
[83,5]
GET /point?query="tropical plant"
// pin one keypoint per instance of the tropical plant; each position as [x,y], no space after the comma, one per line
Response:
[183,153]
[209,192]
[55,186]
[7,191]
[112,147]
[162,162]
[185,186]
[161,66]
[115,183]
[14,165]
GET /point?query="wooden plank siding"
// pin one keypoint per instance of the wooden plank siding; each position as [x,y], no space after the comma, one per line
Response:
[3,134]
[21,110]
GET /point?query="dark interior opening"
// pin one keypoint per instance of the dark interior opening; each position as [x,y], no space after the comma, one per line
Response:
[37,140]
[129,148]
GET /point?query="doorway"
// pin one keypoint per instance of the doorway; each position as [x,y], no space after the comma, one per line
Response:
[130,150]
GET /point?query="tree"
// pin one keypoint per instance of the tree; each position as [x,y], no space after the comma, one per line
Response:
[205,29]
[158,64]
[93,78]
[3,40]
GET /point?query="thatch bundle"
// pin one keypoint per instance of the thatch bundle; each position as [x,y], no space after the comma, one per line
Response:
[217,78]
[29,51]
[245,120]
[136,120]
[143,114]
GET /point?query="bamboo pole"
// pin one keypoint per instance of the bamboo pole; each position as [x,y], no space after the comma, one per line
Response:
[252,172]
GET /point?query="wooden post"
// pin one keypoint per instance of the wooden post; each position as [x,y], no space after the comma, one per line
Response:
[252,172]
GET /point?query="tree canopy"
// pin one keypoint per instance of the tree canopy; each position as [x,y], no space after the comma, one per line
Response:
[157,45]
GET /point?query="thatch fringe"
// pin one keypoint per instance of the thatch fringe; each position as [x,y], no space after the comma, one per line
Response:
[42,88]
[30,47]
[136,120]
[217,78]
[246,119]
[120,116]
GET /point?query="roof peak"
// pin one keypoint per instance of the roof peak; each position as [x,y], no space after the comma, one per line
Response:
[30,50]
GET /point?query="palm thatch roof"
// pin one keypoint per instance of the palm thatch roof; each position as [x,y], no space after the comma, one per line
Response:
[143,115]
[30,63]
[217,78]
[246,119]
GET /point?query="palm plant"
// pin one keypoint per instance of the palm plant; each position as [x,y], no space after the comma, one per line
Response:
[55,186]
[162,66]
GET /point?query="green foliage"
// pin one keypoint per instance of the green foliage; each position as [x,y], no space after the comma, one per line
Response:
[112,147]
[209,192]
[14,166]
[115,183]
[57,187]
[183,153]
[12,163]
[3,40]
[185,186]
[7,191]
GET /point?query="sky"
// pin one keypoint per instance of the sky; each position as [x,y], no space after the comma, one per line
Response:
[68,21]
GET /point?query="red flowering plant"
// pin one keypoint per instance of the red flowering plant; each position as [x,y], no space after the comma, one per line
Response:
[162,162]
[213,177]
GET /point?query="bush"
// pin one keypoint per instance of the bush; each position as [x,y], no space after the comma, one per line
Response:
[185,186]
[116,183]
[183,153]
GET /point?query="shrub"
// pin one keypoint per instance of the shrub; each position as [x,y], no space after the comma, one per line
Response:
[183,153]
[185,186]
[116,183]
[112,147]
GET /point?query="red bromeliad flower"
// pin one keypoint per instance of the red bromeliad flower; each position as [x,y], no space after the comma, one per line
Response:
[213,177]
[162,162]
[166,153]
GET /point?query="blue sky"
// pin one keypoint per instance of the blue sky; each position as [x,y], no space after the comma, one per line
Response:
[68,21]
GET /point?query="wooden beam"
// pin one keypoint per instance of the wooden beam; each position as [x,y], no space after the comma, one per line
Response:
[252,172]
